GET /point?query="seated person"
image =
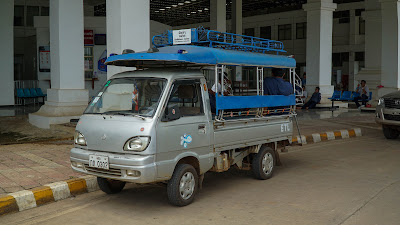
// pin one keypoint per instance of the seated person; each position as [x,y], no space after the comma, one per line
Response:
[276,85]
[364,92]
[218,89]
[314,100]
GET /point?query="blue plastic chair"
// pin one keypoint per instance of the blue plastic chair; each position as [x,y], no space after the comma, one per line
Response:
[355,95]
[336,95]
[370,96]
[20,93]
[33,92]
[27,93]
[346,96]
[40,92]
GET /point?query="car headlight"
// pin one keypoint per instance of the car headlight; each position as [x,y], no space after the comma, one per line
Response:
[381,102]
[79,139]
[137,144]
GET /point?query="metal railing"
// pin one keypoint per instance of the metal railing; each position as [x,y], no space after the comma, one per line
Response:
[230,41]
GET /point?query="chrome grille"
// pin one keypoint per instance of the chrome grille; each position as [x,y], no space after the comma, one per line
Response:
[110,172]
[392,117]
[393,103]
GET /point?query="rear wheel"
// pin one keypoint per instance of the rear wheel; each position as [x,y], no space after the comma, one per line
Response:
[110,186]
[263,163]
[183,185]
[390,133]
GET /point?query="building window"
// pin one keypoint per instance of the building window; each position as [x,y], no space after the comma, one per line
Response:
[31,11]
[265,32]
[301,30]
[100,10]
[343,16]
[249,32]
[359,56]
[19,15]
[339,58]
[361,26]
[45,11]
[285,32]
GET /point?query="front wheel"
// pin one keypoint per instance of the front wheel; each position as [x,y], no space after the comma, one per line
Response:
[263,163]
[390,133]
[182,187]
[110,186]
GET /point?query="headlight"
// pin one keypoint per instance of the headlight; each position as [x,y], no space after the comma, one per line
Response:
[79,139]
[137,144]
[381,102]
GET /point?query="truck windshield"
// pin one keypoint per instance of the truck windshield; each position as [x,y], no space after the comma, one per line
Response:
[128,96]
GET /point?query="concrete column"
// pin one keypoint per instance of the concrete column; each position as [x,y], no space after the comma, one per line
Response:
[319,46]
[7,52]
[218,15]
[237,28]
[373,47]
[128,27]
[67,98]
[390,46]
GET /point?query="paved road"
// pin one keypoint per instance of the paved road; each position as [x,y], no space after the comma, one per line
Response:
[352,181]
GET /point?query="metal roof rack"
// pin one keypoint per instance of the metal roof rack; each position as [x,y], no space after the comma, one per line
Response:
[216,39]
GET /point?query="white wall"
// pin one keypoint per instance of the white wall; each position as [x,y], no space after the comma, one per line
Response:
[7,53]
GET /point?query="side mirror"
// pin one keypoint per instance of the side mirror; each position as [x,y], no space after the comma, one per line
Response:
[171,113]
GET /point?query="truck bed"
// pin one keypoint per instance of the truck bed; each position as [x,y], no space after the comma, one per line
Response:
[239,133]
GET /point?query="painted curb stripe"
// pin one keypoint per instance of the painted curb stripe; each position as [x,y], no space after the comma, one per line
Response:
[43,195]
[327,136]
[8,204]
[77,186]
[25,199]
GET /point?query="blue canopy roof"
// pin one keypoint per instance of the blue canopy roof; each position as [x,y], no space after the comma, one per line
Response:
[198,55]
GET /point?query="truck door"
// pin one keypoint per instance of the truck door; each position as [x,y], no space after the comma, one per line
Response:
[188,134]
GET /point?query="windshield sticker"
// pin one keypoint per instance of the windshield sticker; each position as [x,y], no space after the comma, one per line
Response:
[108,83]
[100,93]
[185,140]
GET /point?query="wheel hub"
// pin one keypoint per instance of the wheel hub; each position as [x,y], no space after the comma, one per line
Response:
[187,185]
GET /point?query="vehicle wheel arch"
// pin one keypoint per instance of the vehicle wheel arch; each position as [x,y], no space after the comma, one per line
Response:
[191,160]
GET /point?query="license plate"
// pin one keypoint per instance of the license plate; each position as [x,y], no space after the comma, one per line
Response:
[97,161]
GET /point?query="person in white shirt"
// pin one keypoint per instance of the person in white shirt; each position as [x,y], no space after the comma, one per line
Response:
[364,94]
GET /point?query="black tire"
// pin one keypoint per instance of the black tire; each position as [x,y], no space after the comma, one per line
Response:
[260,172]
[173,187]
[110,186]
[390,133]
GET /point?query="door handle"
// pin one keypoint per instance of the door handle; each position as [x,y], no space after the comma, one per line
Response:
[202,128]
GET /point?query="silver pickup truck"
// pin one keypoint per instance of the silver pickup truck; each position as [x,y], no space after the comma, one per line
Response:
[162,123]
[172,136]
[388,114]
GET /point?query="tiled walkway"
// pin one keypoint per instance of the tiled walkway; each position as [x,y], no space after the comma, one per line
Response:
[26,166]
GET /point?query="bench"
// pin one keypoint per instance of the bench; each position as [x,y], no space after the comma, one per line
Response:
[346,96]
[30,93]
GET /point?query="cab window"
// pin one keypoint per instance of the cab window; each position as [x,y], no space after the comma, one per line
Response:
[186,94]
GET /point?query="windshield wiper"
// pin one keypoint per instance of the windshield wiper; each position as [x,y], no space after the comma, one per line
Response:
[124,114]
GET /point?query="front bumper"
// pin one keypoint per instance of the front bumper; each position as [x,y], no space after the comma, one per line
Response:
[380,117]
[118,163]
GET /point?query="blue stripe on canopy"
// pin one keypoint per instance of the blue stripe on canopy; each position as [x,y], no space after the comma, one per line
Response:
[258,101]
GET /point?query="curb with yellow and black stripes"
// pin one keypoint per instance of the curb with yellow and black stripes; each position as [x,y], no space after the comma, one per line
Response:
[327,136]
[28,199]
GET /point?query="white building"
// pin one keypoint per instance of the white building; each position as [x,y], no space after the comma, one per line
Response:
[332,40]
